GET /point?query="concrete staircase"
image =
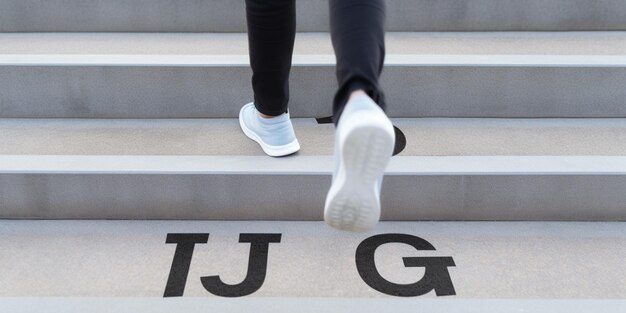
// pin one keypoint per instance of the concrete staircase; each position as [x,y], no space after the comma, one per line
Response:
[112,112]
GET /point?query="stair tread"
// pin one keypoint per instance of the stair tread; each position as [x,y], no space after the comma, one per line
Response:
[495,260]
[223,137]
[421,43]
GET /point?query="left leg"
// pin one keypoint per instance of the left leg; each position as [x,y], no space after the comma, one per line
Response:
[271,36]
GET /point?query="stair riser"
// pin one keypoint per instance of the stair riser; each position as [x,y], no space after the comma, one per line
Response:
[220,91]
[229,16]
[301,197]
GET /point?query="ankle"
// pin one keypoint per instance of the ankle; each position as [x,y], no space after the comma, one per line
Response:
[265,116]
[268,117]
[356,93]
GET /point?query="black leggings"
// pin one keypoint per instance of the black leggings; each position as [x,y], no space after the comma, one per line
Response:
[358,38]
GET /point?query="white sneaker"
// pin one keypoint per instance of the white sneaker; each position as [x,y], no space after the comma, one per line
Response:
[275,135]
[364,142]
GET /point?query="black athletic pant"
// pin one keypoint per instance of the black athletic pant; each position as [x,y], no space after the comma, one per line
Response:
[358,38]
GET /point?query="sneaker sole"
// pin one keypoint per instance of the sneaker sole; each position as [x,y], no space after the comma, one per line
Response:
[353,201]
[270,150]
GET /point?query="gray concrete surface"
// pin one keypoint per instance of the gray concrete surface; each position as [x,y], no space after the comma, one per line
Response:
[308,165]
[229,16]
[428,43]
[561,188]
[453,88]
[494,260]
[577,74]
[319,304]
[424,137]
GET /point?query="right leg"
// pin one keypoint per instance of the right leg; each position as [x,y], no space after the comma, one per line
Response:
[364,136]
[271,36]
[358,38]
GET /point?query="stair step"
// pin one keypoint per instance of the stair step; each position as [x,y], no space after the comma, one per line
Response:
[312,15]
[317,43]
[422,137]
[564,188]
[450,169]
[501,264]
[170,76]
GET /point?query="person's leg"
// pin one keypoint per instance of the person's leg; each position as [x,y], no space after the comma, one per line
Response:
[271,35]
[358,38]
[364,136]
